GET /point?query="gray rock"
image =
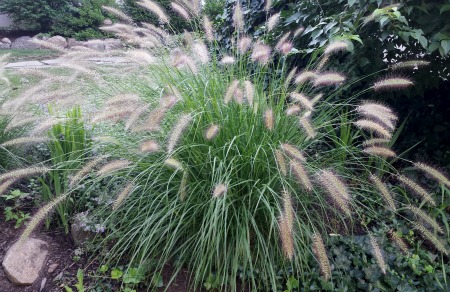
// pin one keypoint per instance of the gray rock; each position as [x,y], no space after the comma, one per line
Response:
[25,65]
[5,46]
[24,43]
[43,282]
[79,235]
[71,42]
[6,41]
[58,40]
[52,268]
[24,262]
[98,45]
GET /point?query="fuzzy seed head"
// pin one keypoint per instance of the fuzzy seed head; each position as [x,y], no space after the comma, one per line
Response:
[302,99]
[379,151]
[113,166]
[24,172]
[392,84]
[230,91]
[293,110]
[281,162]
[381,187]
[261,54]
[307,126]
[287,239]
[149,147]
[239,96]
[336,189]
[378,254]
[438,244]
[177,131]
[227,60]
[273,21]
[249,92]
[207,26]
[289,77]
[425,218]
[301,175]
[288,210]
[5,185]
[398,241]
[238,17]
[118,13]
[327,79]
[173,163]
[269,119]
[305,76]
[292,152]
[200,50]
[410,64]
[268,5]
[417,189]
[154,8]
[212,132]
[180,10]
[298,31]
[376,142]
[374,127]
[244,44]
[219,190]
[433,172]
[25,140]
[335,47]
[183,186]
[122,196]
[321,255]
[85,170]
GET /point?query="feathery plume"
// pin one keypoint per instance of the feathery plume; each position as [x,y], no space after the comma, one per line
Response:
[149,147]
[244,44]
[379,112]
[85,170]
[290,76]
[212,132]
[219,190]
[410,64]
[439,245]
[373,127]
[285,47]
[301,175]
[140,57]
[183,60]
[375,141]
[287,240]
[177,131]
[273,21]
[337,46]
[279,158]
[378,254]
[25,140]
[134,117]
[321,255]
[200,50]
[433,172]
[379,151]
[292,152]
[305,76]
[417,189]
[114,114]
[302,99]
[316,98]
[122,196]
[306,124]
[384,192]
[118,13]
[207,26]
[153,121]
[298,31]
[40,215]
[173,163]
[227,60]
[398,241]
[426,218]
[24,172]
[239,96]
[288,210]
[327,79]
[48,45]
[5,185]
[154,8]
[183,186]
[392,83]
[230,91]
[292,110]
[113,166]
[238,17]
[268,5]
[123,99]
[269,119]
[336,189]
[180,10]
[261,53]
[249,91]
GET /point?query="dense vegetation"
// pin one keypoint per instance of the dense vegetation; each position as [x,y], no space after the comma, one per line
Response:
[240,154]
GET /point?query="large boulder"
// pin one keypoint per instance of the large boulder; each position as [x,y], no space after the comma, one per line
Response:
[5,44]
[6,41]
[59,41]
[24,261]
[98,45]
[24,43]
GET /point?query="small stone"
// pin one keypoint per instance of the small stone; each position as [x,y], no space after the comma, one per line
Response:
[107,21]
[52,268]
[6,41]
[23,262]
[59,41]
[43,282]
[79,235]
[24,43]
